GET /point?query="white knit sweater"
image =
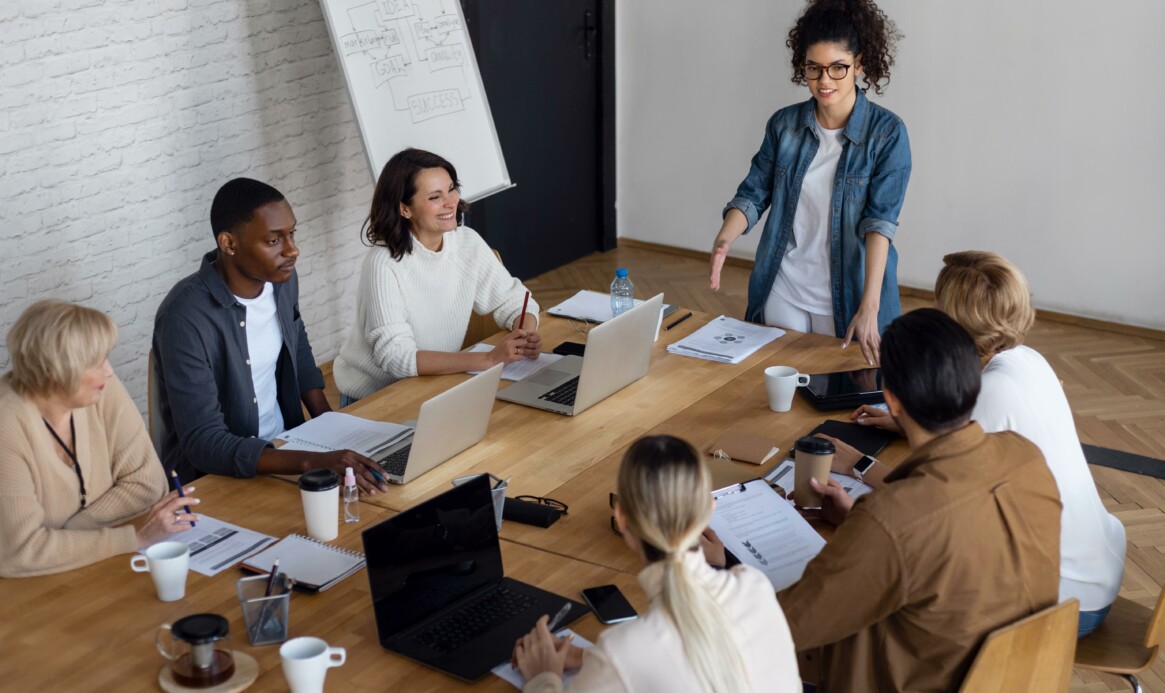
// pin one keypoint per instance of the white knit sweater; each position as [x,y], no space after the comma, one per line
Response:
[422,303]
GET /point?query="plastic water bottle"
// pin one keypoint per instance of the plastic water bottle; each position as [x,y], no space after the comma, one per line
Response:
[622,293]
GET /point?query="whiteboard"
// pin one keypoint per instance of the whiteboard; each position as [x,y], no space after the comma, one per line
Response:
[413,81]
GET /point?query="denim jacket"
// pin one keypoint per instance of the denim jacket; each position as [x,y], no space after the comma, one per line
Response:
[868,191]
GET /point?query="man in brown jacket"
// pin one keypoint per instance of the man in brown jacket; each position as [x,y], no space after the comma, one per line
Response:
[964,538]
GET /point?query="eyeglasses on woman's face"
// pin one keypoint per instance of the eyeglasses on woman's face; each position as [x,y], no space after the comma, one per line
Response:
[813,71]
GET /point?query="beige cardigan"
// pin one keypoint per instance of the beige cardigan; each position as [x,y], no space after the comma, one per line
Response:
[42,528]
[647,654]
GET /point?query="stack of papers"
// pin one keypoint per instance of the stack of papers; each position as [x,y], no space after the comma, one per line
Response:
[782,475]
[518,370]
[592,306]
[216,545]
[726,340]
[338,431]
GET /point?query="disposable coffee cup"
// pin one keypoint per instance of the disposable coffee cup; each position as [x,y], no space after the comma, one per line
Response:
[306,662]
[813,461]
[780,384]
[320,491]
[167,563]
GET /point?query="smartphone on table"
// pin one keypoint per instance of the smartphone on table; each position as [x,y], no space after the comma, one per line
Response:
[609,604]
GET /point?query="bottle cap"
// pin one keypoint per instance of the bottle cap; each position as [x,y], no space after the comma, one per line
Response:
[349,477]
[621,272]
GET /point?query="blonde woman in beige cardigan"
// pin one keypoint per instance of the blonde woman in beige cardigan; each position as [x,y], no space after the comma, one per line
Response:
[705,630]
[79,478]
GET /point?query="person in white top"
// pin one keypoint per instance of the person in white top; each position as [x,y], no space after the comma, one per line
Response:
[990,298]
[423,277]
[705,629]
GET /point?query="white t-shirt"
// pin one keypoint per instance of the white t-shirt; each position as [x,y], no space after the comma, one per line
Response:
[264,342]
[803,278]
[1021,393]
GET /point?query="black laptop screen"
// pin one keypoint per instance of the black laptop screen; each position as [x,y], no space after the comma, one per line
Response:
[430,556]
[864,381]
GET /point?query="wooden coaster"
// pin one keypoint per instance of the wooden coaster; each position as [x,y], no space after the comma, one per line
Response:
[246,671]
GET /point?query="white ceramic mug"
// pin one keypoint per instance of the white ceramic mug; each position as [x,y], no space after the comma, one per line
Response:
[167,563]
[306,662]
[781,382]
[320,491]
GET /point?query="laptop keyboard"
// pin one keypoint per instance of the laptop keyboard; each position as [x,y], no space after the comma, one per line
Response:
[394,464]
[493,608]
[563,394]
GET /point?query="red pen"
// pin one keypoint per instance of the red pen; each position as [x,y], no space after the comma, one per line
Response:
[525,302]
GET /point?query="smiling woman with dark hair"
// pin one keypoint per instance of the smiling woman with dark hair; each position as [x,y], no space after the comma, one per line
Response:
[833,171]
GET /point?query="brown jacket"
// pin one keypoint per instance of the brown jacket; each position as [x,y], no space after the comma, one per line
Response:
[964,538]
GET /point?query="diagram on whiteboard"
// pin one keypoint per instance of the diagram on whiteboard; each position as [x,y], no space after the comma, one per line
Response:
[410,49]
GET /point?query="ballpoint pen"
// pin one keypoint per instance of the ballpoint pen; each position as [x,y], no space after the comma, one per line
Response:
[558,617]
[178,486]
[681,319]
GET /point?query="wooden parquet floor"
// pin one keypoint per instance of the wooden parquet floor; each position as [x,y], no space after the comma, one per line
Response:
[1114,382]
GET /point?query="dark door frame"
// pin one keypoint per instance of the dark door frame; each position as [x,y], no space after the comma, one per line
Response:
[607,234]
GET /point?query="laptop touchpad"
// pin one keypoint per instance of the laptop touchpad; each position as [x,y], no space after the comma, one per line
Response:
[548,376]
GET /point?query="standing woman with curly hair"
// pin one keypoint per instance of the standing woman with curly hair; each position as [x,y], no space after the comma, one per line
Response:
[834,171]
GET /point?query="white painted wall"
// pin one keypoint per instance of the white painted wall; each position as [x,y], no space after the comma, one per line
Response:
[119,120]
[1034,126]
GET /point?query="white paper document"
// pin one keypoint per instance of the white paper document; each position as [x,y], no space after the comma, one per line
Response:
[216,545]
[518,370]
[726,340]
[515,678]
[591,306]
[338,431]
[782,475]
[765,531]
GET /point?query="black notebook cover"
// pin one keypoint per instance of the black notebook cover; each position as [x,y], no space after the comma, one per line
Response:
[870,440]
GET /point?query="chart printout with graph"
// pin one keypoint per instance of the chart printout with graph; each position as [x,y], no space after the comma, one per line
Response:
[413,82]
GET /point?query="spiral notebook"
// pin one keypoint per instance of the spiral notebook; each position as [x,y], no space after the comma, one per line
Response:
[314,565]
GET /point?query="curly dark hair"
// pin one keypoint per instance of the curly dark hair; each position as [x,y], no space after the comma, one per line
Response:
[858,25]
[398,183]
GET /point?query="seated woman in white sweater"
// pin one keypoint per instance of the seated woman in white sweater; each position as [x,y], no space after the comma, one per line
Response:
[423,276]
[989,297]
[79,479]
[705,629]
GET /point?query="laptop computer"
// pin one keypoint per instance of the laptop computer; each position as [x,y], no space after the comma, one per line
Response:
[618,353]
[448,423]
[439,592]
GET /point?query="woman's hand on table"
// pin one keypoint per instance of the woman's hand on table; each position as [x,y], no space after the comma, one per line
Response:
[864,330]
[713,548]
[533,348]
[867,415]
[511,348]
[167,516]
[540,651]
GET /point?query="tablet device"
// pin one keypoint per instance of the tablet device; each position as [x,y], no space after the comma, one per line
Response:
[844,389]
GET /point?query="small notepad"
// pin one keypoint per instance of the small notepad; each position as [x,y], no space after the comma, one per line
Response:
[314,565]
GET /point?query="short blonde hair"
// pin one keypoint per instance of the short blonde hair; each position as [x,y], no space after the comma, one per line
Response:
[51,345]
[988,296]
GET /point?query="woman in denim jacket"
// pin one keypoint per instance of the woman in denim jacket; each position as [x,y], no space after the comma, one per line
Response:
[834,171]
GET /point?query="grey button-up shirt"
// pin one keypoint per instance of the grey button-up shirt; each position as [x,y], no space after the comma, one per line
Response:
[210,414]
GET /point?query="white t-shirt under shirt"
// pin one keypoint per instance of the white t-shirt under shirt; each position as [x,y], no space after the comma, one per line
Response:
[803,277]
[1021,393]
[264,342]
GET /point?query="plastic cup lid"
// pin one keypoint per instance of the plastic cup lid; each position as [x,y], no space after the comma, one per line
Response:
[319,480]
[815,446]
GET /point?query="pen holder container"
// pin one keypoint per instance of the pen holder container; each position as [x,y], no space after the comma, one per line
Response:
[498,487]
[265,617]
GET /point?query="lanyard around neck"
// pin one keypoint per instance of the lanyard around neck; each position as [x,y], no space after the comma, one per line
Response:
[71,453]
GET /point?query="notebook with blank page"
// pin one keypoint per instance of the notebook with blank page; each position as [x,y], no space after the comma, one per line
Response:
[314,565]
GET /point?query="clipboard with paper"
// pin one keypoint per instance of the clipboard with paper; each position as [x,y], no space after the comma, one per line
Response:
[765,531]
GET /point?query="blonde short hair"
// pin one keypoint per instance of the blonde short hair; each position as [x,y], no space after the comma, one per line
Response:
[51,345]
[988,296]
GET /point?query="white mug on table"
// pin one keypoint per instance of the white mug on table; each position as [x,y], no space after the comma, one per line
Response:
[780,383]
[167,563]
[306,662]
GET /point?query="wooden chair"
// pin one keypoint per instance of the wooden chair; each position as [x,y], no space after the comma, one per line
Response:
[480,326]
[1127,641]
[1033,654]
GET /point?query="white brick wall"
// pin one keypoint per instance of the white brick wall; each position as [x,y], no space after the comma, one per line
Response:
[119,120]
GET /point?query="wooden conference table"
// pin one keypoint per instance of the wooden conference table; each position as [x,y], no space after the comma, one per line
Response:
[93,628]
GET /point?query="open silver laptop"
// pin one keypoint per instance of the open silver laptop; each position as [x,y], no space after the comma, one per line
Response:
[448,423]
[618,353]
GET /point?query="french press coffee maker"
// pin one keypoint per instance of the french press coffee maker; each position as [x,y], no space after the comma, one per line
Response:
[199,650]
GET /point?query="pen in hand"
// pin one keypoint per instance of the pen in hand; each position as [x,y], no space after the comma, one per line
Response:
[178,486]
[558,617]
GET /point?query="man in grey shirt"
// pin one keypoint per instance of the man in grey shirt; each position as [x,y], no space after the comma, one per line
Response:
[222,384]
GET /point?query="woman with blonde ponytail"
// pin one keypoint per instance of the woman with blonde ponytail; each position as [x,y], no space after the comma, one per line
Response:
[705,629]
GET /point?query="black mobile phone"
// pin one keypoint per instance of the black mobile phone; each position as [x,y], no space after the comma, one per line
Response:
[609,604]
[570,349]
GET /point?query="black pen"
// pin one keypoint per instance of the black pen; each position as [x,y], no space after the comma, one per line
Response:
[681,319]
[178,486]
